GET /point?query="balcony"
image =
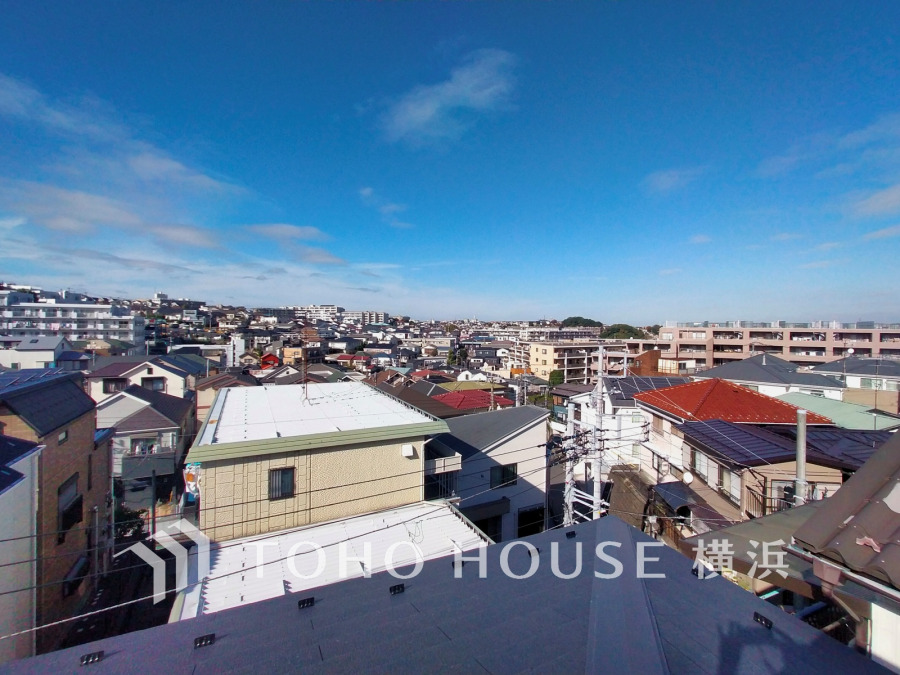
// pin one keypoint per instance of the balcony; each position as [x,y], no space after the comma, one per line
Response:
[758,505]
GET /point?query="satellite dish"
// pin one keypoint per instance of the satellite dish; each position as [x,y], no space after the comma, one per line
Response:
[687,478]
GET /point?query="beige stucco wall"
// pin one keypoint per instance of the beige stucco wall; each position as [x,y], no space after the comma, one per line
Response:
[329,483]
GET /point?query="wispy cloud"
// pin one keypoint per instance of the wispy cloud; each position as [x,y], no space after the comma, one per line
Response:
[818,264]
[701,239]
[786,236]
[670,271]
[669,180]
[482,83]
[828,245]
[884,202]
[385,207]
[884,233]
[287,232]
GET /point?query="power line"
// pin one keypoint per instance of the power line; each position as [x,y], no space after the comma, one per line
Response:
[240,571]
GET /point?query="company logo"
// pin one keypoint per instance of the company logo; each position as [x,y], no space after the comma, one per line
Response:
[165,539]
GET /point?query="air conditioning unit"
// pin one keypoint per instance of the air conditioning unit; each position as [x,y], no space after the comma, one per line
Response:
[408,450]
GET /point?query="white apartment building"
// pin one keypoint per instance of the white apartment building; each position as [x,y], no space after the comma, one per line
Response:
[75,321]
[365,316]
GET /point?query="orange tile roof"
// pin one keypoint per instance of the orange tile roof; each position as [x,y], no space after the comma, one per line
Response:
[472,398]
[723,400]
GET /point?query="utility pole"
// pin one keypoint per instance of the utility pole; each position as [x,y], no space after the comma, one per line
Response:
[596,454]
[800,482]
[569,494]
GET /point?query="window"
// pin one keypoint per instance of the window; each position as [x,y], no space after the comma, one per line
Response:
[69,506]
[503,476]
[62,437]
[154,383]
[700,464]
[281,483]
[636,449]
[113,385]
[637,418]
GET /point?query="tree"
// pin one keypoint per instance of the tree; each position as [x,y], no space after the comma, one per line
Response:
[581,321]
[621,331]
[451,358]
[654,329]
[556,377]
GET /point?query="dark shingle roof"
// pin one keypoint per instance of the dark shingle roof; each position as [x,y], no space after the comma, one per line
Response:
[46,402]
[768,369]
[496,624]
[171,407]
[859,526]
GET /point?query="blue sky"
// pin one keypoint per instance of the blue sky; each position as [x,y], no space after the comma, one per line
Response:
[625,161]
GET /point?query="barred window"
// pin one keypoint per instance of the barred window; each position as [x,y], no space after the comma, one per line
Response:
[281,483]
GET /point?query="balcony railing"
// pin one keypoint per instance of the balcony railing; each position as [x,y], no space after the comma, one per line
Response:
[758,505]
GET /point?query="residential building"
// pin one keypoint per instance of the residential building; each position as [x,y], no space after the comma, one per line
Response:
[773,376]
[811,343]
[50,408]
[19,490]
[644,612]
[73,321]
[154,373]
[276,457]
[668,407]
[577,361]
[502,475]
[152,433]
[206,389]
[35,352]
[851,543]
[869,381]
[365,317]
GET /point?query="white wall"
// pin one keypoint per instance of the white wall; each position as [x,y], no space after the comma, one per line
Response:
[528,451]
[18,507]
[885,628]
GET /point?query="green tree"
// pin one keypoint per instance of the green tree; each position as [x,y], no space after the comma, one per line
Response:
[556,377]
[581,321]
[621,331]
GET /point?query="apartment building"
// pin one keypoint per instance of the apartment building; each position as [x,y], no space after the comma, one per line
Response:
[365,317]
[576,360]
[805,344]
[73,321]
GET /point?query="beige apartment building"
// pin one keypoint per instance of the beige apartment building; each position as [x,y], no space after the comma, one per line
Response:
[270,458]
[576,360]
[806,344]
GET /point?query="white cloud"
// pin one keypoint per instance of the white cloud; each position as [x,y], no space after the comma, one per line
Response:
[482,83]
[884,233]
[786,236]
[669,180]
[818,264]
[386,208]
[701,239]
[882,203]
[65,210]
[285,231]
[670,271]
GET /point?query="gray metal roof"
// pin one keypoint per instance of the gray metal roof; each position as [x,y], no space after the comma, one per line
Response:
[768,369]
[497,624]
[171,407]
[475,433]
[859,526]
[861,365]
[42,343]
